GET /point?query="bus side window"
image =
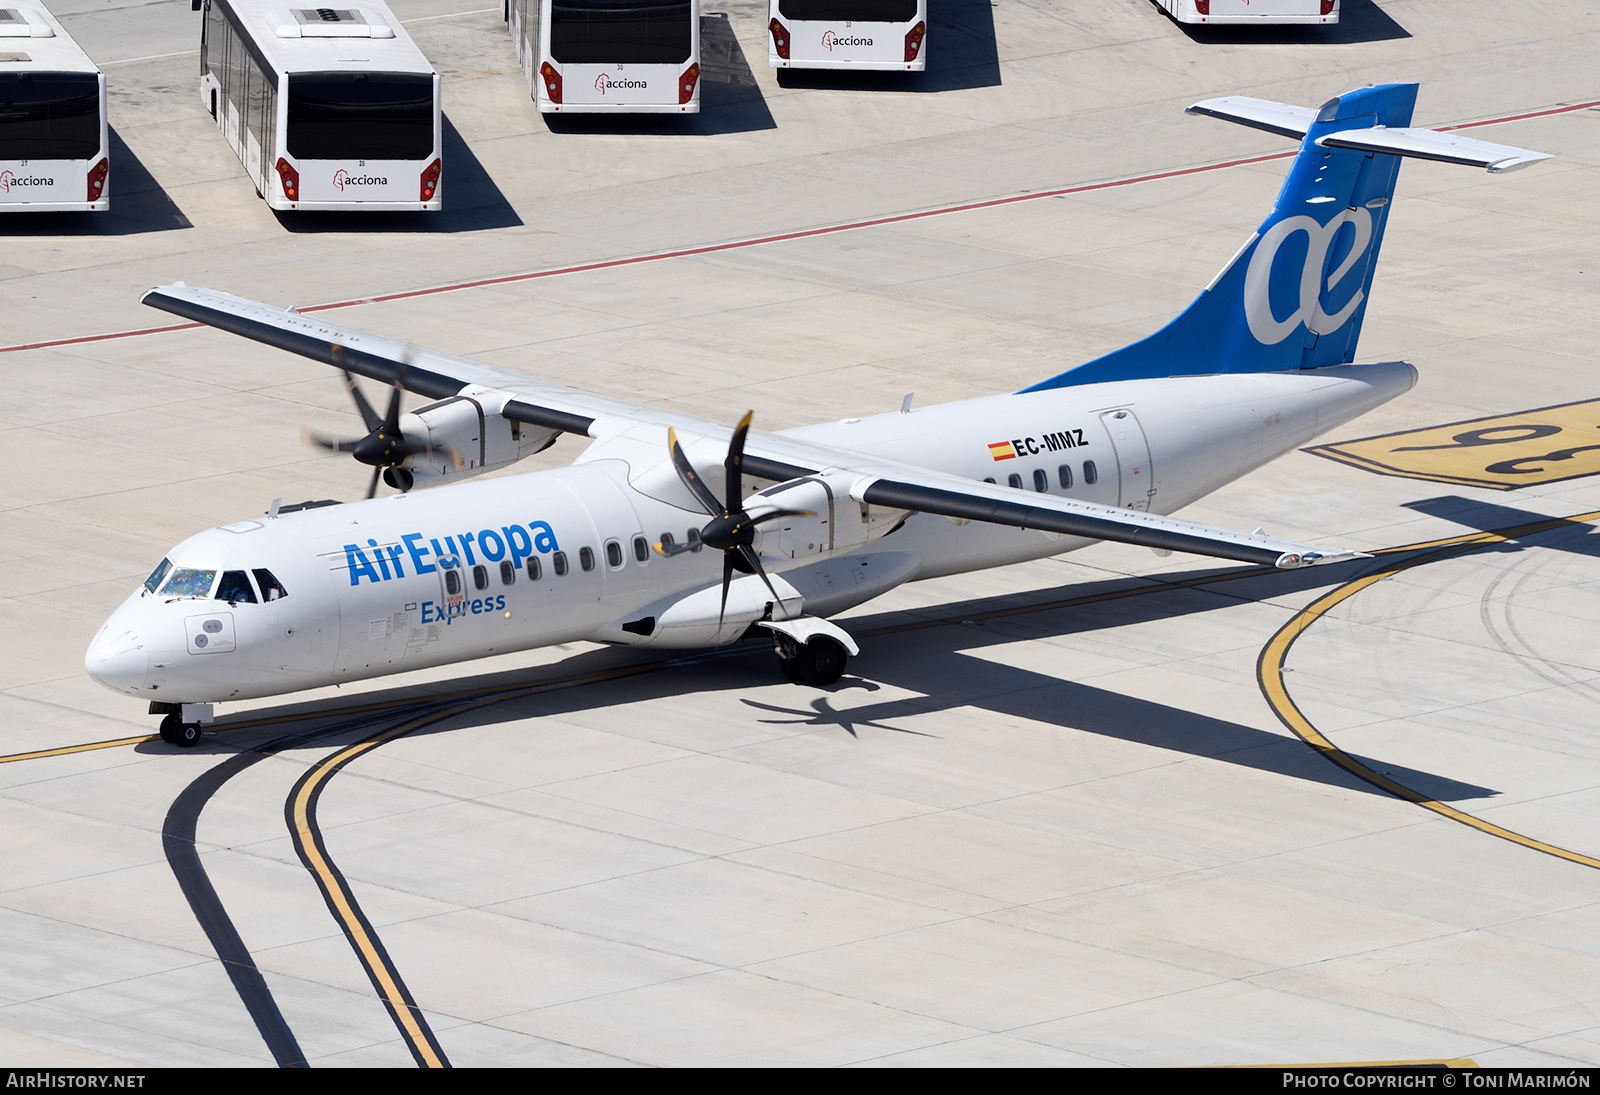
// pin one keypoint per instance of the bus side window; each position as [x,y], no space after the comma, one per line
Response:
[1090,475]
[271,588]
[1065,472]
[559,561]
[535,570]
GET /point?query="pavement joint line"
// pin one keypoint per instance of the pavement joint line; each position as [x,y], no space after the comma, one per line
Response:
[784,237]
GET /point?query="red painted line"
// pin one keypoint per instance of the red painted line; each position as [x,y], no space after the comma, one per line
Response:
[807,233]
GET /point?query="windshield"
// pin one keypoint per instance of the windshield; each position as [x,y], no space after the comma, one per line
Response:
[153,582]
[360,116]
[620,32]
[187,582]
[49,115]
[864,11]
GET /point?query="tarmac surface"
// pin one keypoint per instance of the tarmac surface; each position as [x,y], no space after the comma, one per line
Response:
[1059,813]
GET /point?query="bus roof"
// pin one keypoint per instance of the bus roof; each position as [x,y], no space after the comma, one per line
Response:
[364,36]
[33,40]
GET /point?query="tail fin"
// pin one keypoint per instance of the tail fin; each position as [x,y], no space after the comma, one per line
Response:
[1295,295]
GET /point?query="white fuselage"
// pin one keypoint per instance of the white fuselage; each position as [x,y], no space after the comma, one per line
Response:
[440,576]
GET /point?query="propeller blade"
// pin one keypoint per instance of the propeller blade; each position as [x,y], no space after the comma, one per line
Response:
[372,488]
[765,517]
[727,579]
[690,477]
[323,441]
[391,418]
[368,415]
[735,463]
[755,564]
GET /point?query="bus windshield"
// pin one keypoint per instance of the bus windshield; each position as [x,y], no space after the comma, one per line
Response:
[620,32]
[861,11]
[49,115]
[360,116]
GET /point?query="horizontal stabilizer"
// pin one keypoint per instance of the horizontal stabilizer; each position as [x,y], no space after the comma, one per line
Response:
[1279,118]
[1430,144]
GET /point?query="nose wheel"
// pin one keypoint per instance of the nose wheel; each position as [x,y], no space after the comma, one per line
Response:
[819,661]
[174,731]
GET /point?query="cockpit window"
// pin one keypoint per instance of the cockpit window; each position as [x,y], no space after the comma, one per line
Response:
[153,582]
[271,588]
[185,582]
[235,588]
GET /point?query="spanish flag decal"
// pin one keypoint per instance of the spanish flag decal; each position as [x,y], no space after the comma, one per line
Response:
[1002,450]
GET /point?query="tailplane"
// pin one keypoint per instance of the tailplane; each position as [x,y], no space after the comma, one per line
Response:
[1295,295]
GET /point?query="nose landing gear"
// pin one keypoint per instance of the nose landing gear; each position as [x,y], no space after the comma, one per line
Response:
[174,731]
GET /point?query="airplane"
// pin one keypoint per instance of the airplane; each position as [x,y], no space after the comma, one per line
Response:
[672,531]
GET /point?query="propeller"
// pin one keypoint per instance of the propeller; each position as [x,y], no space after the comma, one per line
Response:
[385,447]
[731,529]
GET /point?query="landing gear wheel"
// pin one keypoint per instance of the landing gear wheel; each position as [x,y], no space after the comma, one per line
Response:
[169,729]
[821,661]
[788,657]
[186,735]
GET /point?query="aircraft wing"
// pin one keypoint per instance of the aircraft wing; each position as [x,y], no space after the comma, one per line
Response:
[775,457]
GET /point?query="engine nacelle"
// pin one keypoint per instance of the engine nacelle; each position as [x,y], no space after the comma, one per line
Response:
[841,524]
[469,436]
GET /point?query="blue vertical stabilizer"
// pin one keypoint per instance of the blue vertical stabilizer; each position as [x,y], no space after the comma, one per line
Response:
[1295,296]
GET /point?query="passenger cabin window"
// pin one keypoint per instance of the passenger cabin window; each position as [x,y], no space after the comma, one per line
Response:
[187,582]
[480,577]
[153,582]
[641,550]
[508,573]
[988,479]
[452,582]
[1090,475]
[535,569]
[1015,480]
[694,539]
[271,588]
[235,588]
[1041,481]
[1065,472]
[586,558]
[667,543]
[613,554]
[559,561]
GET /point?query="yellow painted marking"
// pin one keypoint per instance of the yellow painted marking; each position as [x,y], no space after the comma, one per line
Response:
[1544,445]
[352,923]
[1270,671]
[86,747]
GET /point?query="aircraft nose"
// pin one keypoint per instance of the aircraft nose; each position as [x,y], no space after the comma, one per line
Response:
[117,659]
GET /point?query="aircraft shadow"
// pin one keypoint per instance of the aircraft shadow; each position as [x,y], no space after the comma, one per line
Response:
[901,652]
[730,98]
[1359,21]
[962,53]
[1578,537]
[472,202]
[138,204]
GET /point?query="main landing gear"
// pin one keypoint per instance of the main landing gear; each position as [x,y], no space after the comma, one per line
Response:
[819,661]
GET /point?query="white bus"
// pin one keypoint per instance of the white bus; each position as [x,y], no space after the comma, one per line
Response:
[54,152]
[878,35]
[600,56]
[327,108]
[1246,12]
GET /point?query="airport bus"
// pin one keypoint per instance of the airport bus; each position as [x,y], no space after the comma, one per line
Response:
[603,56]
[327,108]
[1245,12]
[55,155]
[878,35]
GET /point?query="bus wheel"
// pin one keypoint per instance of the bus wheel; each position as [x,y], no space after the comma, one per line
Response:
[821,661]
[169,728]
